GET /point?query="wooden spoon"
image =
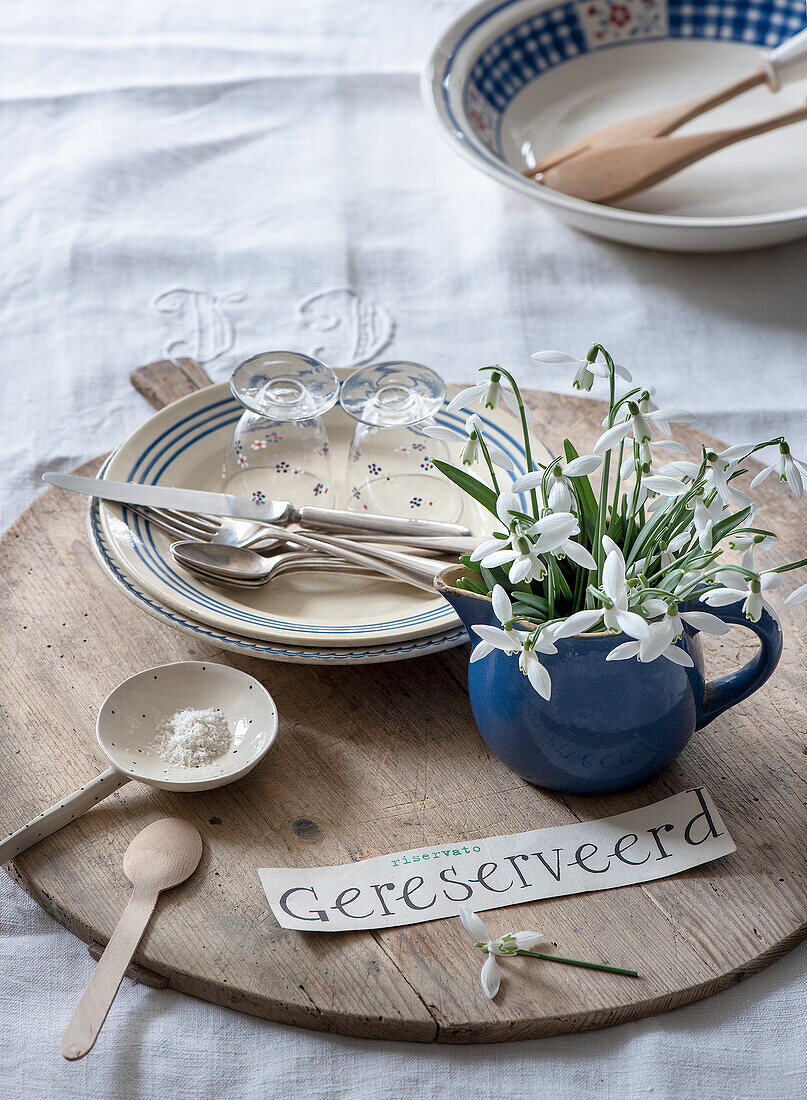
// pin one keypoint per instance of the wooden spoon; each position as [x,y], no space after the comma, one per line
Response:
[162,855]
[609,174]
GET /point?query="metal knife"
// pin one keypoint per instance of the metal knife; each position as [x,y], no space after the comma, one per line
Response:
[279,512]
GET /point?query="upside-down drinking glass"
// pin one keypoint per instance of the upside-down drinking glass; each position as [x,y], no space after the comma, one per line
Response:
[280,448]
[389,466]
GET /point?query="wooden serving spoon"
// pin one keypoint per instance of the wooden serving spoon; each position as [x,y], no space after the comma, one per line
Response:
[612,173]
[162,855]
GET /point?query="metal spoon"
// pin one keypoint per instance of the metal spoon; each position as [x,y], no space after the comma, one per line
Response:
[232,563]
[231,567]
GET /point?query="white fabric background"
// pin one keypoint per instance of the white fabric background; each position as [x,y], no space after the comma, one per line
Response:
[277,149]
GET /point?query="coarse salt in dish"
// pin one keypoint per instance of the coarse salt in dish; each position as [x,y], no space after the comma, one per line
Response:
[191,738]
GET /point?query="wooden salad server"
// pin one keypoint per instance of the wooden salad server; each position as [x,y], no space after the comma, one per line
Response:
[607,175]
[162,855]
[786,63]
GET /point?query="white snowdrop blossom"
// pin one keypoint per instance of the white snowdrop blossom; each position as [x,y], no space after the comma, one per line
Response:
[788,469]
[737,587]
[471,449]
[704,518]
[640,425]
[586,369]
[758,543]
[509,944]
[718,473]
[618,616]
[488,395]
[661,635]
[799,596]
[527,541]
[504,638]
[561,496]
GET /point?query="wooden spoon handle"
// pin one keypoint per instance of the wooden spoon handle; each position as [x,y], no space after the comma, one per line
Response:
[97,998]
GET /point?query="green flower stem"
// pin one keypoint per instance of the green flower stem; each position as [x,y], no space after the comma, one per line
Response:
[606,465]
[550,591]
[786,568]
[571,962]
[618,479]
[525,428]
[484,448]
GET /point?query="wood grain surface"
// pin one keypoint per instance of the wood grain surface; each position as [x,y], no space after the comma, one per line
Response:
[371,760]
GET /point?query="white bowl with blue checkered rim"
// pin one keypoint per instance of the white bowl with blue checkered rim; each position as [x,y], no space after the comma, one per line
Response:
[522,77]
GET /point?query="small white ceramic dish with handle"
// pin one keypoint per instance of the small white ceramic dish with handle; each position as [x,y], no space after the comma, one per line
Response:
[127,729]
[514,80]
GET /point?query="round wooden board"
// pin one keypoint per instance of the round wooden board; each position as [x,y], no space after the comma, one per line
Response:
[372,760]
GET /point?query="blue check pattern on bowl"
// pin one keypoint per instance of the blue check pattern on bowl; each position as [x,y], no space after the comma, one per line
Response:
[564,31]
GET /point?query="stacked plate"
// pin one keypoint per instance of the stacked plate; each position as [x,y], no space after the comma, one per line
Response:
[311,617]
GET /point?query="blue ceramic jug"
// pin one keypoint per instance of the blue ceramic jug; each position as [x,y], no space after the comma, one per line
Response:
[608,725]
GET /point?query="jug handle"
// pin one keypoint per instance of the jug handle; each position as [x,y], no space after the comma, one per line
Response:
[720,694]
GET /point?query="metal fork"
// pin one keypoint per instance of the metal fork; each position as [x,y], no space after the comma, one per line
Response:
[253,536]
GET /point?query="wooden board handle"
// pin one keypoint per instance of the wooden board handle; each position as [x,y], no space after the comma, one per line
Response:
[167,380]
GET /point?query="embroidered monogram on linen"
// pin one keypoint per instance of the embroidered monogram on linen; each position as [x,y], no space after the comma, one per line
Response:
[355,329]
[208,331]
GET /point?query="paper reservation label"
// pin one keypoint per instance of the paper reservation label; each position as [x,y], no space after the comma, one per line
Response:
[427,883]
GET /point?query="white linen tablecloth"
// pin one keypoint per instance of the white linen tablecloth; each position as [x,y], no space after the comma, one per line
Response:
[244,156]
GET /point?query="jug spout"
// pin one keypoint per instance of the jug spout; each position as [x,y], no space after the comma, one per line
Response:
[474,610]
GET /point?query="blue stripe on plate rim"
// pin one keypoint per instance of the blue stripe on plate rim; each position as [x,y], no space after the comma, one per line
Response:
[185,433]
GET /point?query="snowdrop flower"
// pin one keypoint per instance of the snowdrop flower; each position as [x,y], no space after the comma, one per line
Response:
[789,470]
[505,945]
[719,469]
[561,495]
[512,641]
[618,617]
[704,518]
[661,636]
[527,541]
[488,394]
[535,672]
[506,638]
[758,542]
[799,596]
[471,449]
[736,588]
[586,370]
[640,424]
